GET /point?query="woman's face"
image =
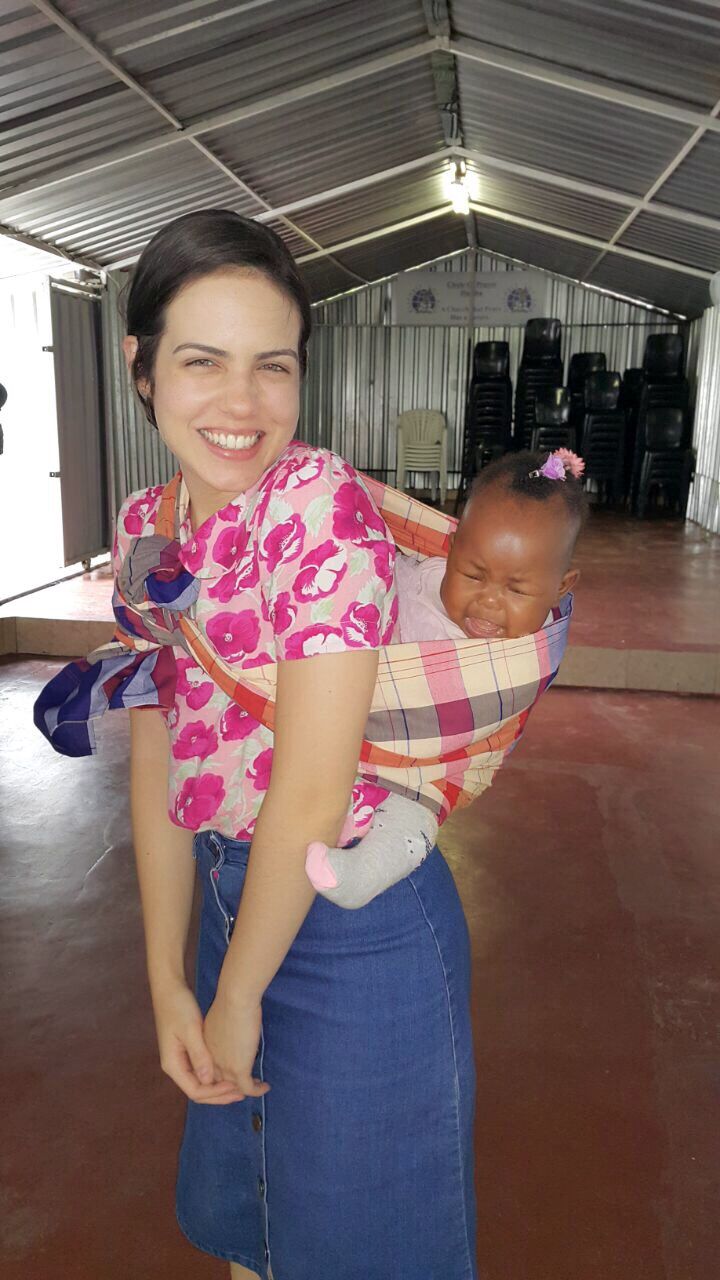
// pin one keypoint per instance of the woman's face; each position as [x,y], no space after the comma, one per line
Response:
[226,383]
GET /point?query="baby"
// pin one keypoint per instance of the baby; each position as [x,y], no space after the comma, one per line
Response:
[509,564]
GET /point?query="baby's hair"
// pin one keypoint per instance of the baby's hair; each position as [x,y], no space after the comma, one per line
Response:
[513,472]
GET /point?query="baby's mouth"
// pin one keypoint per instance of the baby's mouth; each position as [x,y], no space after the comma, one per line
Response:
[481,629]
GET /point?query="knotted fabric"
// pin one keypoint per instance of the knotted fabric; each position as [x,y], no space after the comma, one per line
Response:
[444,714]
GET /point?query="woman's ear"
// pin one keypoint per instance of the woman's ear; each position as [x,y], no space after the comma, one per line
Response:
[568,582]
[130,348]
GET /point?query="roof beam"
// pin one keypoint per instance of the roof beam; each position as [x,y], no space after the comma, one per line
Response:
[444,71]
[78,36]
[48,246]
[591,86]
[645,202]
[531,223]
[367,236]
[221,120]
[592,241]
[53,13]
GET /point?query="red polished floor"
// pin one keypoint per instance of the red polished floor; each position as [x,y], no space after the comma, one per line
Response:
[591,883]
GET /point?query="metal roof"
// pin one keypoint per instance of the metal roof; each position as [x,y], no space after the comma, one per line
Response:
[593,129]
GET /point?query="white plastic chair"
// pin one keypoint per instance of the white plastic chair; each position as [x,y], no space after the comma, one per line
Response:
[422,446]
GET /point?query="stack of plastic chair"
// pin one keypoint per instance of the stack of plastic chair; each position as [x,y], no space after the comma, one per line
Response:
[488,419]
[630,391]
[603,435]
[582,365]
[552,428]
[667,461]
[664,387]
[422,446]
[541,369]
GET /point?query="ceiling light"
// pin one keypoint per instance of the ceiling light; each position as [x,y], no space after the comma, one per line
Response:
[460,185]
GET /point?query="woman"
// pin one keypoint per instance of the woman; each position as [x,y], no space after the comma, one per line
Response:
[326,1054]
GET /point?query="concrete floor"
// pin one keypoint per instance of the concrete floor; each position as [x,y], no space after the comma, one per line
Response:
[591,883]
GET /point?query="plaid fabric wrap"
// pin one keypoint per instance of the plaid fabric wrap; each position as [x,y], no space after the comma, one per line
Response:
[444,715]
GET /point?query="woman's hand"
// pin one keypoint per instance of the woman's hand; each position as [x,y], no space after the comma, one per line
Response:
[232,1035]
[184,1054]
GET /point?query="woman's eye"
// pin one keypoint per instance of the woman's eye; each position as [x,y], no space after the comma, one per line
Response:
[201,362]
[276,368]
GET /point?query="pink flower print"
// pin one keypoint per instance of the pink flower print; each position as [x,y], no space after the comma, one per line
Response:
[355,519]
[318,639]
[361,625]
[230,546]
[299,471]
[321,571]
[365,798]
[236,724]
[234,634]
[260,769]
[259,660]
[242,578]
[172,716]
[196,741]
[193,552]
[199,800]
[281,612]
[137,513]
[191,685]
[285,542]
[384,555]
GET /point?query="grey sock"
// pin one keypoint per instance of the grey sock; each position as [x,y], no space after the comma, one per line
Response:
[401,836]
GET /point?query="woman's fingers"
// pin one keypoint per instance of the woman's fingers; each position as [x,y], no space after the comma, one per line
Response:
[252,1088]
[222,1092]
[200,1057]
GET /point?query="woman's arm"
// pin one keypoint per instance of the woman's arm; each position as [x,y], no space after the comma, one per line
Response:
[166,874]
[322,706]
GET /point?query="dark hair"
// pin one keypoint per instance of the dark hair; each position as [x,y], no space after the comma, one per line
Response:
[513,472]
[193,246]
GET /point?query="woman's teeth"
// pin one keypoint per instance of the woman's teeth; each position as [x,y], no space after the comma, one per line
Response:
[236,443]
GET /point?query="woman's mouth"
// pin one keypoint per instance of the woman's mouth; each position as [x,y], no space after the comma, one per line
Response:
[481,629]
[228,444]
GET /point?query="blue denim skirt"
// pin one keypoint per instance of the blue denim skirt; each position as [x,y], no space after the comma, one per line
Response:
[358,1164]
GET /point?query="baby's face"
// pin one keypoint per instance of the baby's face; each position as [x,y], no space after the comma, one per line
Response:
[508,565]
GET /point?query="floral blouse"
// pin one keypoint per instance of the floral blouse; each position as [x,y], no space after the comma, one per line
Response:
[300,564]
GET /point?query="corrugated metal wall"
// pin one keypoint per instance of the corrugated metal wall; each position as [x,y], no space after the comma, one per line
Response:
[138,456]
[363,371]
[704,504]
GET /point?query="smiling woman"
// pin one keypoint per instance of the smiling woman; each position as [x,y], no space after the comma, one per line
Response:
[300,1012]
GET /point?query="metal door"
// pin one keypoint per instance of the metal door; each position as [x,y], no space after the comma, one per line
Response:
[81,430]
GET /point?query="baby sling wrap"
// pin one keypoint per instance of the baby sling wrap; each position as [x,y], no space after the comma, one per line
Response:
[444,714]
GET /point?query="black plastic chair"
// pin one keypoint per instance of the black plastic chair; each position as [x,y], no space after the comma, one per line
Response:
[664,462]
[663,359]
[582,365]
[541,370]
[542,342]
[491,361]
[603,435]
[552,417]
[488,416]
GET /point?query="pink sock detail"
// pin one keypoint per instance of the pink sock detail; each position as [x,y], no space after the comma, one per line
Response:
[319,872]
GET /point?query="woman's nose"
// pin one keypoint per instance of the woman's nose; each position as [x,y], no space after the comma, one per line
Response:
[238,397]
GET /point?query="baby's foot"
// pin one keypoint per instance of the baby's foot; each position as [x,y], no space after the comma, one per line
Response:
[319,868]
[401,837]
